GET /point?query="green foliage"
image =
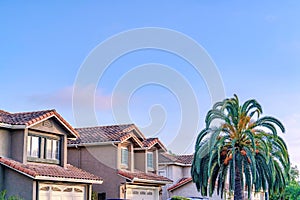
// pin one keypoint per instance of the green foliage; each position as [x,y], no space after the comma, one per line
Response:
[179,198]
[239,145]
[292,190]
[3,196]
[94,195]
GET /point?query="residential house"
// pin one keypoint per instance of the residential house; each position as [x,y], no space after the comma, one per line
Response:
[33,158]
[124,157]
[178,169]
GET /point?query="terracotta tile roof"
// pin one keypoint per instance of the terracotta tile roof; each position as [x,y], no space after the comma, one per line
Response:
[101,133]
[47,170]
[150,142]
[185,159]
[143,176]
[30,118]
[112,133]
[171,158]
[180,183]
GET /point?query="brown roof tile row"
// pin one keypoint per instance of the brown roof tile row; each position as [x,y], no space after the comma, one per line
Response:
[142,175]
[180,183]
[114,133]
[171,158]
[101,134]
[49,170]
[29,118]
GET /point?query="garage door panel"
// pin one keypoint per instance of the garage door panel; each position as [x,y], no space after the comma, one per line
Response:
[141,194]
[61,192]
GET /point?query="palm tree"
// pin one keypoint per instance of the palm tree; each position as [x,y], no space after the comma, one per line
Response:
[240,148]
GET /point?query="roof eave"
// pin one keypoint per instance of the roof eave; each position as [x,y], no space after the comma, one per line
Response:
[151,181]
[11,126]
[93,144]
[74,180]
[74,134]
[178,186]
[175,163]
[19,171]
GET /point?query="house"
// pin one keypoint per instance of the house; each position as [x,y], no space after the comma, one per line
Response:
[33,158]
[124,157]
[178,169]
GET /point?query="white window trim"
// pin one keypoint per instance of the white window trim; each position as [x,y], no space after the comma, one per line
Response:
[150,167]
[42,150]
[162,172]
[124,164]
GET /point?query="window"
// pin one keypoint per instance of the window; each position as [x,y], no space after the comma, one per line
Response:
[124,156]
[52,147]
[43,149]
[33,146]
[162,173]
[150,160]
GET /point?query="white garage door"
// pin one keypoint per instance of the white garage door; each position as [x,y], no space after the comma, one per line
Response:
[61,192]
[140,194]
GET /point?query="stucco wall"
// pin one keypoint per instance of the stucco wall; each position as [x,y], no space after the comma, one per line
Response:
[101,161]
[189,190]
[186,171]
[5,143]
[175,172]
[140,160]
[51,125]
[17,184]
[17,145]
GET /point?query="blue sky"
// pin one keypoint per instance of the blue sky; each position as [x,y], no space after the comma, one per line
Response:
[255,46]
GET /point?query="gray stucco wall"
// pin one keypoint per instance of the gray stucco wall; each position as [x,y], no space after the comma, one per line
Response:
[17,145]
[5,143]
[186,171]
[17,184]
[175,172]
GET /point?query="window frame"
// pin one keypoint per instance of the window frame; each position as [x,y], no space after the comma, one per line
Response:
[150,165]
[54,151]
[124,163]
[42,149]
[162,172]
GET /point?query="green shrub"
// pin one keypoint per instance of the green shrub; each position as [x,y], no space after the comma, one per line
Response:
[179,198]
[3,196]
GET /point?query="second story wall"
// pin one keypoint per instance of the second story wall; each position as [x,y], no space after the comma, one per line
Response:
[5,143]
[106,154]
[18,149]
[174,172]
[186,171]
[140,160]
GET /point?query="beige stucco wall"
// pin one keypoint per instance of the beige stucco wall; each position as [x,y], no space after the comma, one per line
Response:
[5,143]
[101,161]
[140,161]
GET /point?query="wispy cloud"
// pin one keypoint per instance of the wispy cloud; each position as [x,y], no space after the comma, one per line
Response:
[63,98]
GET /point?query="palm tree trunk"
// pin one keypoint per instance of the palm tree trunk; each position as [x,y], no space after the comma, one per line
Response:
[238,190]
